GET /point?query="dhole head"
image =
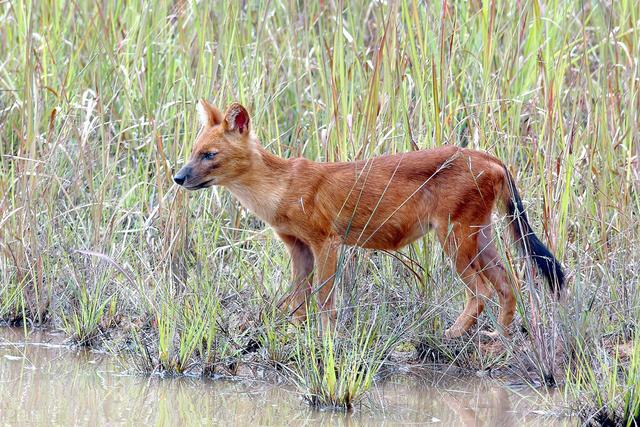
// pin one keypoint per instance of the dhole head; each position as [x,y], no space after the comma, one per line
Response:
[222,151]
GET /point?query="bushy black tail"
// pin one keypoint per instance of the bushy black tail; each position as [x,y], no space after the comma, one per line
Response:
[530,244]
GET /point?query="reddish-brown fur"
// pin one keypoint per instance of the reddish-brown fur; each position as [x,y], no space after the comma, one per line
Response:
[382,203]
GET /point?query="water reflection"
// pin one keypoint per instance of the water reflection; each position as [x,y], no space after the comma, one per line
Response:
[42,382]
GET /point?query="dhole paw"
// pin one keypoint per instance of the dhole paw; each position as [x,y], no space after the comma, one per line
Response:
[491,334]
[494,348]
[453,332]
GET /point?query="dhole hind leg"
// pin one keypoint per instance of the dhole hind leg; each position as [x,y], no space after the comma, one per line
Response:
[462,247]
[495,272]
[302,276]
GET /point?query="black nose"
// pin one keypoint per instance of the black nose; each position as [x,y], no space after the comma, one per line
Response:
[182,175]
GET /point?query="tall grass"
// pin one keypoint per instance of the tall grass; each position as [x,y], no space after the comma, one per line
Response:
[336,372]
[97,110]
[609,384]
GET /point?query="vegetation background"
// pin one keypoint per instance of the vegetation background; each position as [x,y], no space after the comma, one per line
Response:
[97,109]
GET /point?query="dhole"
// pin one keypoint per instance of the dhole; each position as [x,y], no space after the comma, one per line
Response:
[382,203]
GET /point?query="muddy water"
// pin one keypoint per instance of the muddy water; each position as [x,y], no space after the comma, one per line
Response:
[44,383]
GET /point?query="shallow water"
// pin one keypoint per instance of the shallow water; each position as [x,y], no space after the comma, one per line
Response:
[43,382]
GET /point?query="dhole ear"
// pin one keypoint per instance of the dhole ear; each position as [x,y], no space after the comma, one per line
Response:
[208,114]
[236,118]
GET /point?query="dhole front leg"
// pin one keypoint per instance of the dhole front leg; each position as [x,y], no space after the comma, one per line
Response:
[326,255]
[302,276]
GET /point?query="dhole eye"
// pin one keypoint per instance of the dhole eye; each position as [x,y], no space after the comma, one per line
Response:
[209,156]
